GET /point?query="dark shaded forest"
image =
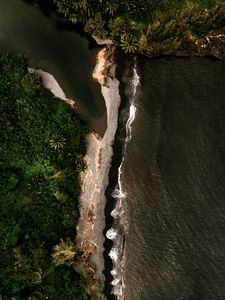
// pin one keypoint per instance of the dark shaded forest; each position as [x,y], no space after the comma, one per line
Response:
[42,144]
[150,27]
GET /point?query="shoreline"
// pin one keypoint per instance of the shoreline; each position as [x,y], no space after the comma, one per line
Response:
[90,239]
[94,181]
[49,82]
[211,46]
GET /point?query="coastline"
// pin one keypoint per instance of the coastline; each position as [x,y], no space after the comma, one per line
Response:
[210,45]
[94,181]
[90,238]
[49,82]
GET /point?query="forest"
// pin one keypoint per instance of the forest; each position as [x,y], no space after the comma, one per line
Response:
[42,144]
[150,27]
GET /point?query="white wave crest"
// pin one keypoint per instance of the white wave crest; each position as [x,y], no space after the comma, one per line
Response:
[111,234]
[114,254]
[119,194]
[130,121]
[115,213]
[135,79]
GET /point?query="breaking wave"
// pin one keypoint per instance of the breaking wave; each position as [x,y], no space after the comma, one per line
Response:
[116,233]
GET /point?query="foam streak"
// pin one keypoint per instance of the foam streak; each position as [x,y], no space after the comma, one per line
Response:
[119,194]
[95,180]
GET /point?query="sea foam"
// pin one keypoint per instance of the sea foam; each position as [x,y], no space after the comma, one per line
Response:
[116,253]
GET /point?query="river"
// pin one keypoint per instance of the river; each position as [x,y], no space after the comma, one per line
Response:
[52,46]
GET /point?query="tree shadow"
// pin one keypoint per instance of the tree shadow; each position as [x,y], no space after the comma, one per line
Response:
[47,7]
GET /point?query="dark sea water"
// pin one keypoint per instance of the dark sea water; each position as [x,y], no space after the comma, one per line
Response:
[174,178]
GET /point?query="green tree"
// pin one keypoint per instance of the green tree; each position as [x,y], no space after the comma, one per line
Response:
[111,7]
[129,43]
[57,141]
[39,205]
[64,253]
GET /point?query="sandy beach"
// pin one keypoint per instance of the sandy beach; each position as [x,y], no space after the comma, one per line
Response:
[90,237]
[94,180]
[49,82]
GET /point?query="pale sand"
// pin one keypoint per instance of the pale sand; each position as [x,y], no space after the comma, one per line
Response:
[49,82]
[95,179]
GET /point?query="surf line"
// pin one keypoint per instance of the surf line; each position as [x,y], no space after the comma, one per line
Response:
[116,233]
[94,181]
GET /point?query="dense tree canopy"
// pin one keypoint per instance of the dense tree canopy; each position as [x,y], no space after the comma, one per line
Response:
[147,26]
[42,143]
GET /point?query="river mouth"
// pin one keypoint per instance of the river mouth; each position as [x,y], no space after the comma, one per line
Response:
[50,45]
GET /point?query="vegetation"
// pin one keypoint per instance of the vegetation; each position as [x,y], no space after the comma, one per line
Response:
[42,144]
[147,26]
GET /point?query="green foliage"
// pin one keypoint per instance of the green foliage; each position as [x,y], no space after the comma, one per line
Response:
[38,186]
[57,141]
[156,26]
[64,253]
[8,180]
[129,43]
[112,7]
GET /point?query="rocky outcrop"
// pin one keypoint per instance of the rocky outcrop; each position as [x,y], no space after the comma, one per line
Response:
[104,61]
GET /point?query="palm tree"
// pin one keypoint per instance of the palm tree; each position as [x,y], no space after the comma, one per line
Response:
[137,8]
[63,7]
[111,7]
[73,18]
[64,253]
[57,141]
[129,43]
[95,26]
[143,42]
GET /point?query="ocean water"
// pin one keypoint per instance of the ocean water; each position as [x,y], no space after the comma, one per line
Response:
[171,192]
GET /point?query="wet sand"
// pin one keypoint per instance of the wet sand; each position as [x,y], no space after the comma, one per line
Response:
[94,181]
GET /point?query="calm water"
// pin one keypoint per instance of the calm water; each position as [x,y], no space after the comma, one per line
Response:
[53,48]
[174,176]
